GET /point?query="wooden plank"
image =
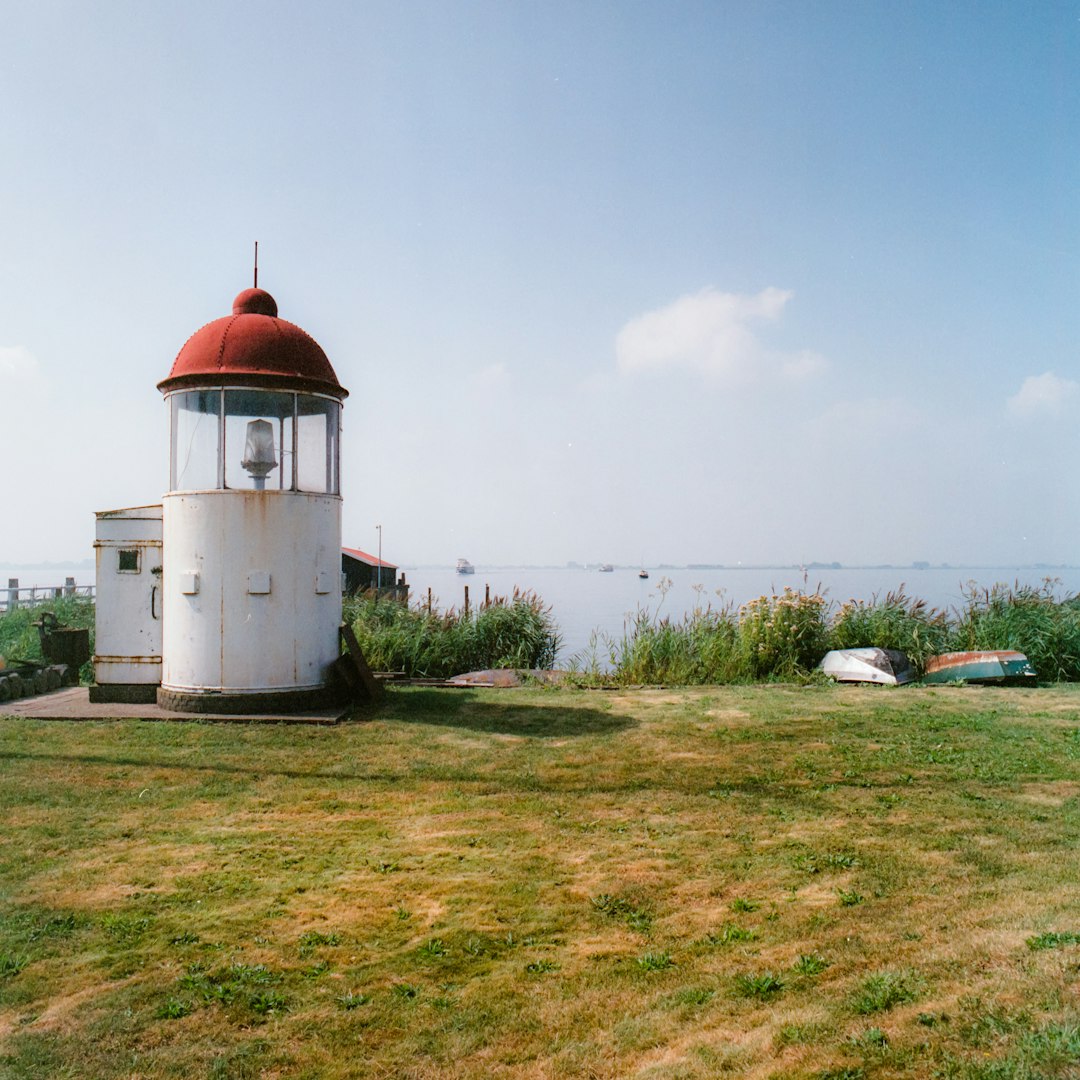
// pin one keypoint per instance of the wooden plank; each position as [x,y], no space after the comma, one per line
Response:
[372,688]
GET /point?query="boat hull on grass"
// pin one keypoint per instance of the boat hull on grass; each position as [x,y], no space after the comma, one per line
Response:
[995,666]
[886,667]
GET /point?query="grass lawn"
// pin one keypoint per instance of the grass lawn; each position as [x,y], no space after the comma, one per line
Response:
[755,881]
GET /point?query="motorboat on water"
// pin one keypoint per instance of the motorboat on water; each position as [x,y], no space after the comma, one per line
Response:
[643,573]
[981,666]
[465,567]
[606,568]
[886,667]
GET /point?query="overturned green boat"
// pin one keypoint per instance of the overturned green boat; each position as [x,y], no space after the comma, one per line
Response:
[999,666]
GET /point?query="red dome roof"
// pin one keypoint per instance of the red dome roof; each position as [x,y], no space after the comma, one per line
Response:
[254,347]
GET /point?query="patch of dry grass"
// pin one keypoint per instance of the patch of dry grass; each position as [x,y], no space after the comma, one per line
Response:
[538,883]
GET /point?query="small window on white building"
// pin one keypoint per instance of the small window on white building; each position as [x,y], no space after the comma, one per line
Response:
[128,561]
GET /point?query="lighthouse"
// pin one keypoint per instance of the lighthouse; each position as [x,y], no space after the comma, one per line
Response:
[250,583]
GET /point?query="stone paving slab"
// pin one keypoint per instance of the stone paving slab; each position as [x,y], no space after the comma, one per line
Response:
[73,703]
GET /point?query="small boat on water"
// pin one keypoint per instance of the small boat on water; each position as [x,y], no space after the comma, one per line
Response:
[643,573]
[606,568]
[886,667]
[985,666]
[465,567]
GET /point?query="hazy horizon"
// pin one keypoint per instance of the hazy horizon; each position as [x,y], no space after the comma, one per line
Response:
[765,282]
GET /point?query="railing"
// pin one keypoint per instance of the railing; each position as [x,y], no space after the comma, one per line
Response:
[16,595]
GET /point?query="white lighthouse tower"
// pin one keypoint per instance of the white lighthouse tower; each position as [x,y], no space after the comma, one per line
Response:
[251,581]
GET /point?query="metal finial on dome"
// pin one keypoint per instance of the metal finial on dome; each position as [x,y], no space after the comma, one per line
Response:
[255,283]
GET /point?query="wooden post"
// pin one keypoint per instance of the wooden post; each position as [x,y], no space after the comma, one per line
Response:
[487,595]
[466,599]
[69,586]
[13,593]
[429,599]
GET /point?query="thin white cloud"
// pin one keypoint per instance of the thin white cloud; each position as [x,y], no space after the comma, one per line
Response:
[18,366]
[491,378]
[1042,395]
[712,332]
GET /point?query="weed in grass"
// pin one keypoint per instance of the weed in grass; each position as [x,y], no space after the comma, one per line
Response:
[845,1072]
[432,949]
[810,964]
[730,934]
[476,947]
[174,1009]
[1053,940]
[235,983]
[660,961]
[1048,1052]
[353,999]
[405,991]
[541,967]
[125,929]
[694,995]
[929,1019]
[266,1002]
[403,914]
[186,938]
[57,926]
[311,940]
[840,860]
[11,964]
[799,1035]
[741,905]
[872,1037]
[886,989]
[849,897]
[762,985]
[617,907]
[385,866]
[317,971]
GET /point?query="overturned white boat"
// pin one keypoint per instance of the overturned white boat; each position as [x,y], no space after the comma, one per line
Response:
[887,667]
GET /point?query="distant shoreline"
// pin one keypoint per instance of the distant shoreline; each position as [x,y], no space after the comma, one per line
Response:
[88,564]
[753,566]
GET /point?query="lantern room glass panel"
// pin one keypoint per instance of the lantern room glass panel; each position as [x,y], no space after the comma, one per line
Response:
[195,427]
[259,440]
[318,422]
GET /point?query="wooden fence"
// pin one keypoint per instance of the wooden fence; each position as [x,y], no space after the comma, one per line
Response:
[16,595]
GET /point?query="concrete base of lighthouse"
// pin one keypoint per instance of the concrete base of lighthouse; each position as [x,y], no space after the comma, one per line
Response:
[263,704]
[252,593]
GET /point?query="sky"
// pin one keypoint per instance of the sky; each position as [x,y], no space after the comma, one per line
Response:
[669,282]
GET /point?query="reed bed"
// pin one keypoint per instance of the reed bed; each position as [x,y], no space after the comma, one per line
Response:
[509,632]
[782,637]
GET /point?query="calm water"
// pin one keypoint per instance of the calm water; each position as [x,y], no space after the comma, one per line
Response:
[586,600]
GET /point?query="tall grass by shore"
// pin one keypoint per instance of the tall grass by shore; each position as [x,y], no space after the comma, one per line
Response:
[770,638]
[782,637]
[509,632]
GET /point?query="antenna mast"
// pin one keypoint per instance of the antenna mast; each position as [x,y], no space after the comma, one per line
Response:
[256,264]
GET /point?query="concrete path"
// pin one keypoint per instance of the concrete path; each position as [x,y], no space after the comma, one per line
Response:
[73,703]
